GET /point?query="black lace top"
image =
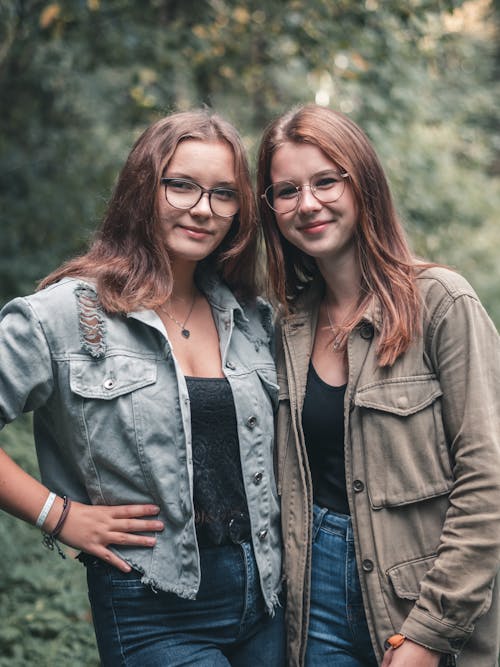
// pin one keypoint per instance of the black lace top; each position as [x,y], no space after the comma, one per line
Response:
[221,511]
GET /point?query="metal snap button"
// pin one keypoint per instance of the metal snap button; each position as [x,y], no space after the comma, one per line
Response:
[230,365]
[257,478]
[366,331]
[367,565]
[109,383]
[252,421]
[358,486]
[262,534]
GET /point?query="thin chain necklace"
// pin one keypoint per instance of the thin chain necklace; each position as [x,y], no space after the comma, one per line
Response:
[334,330]
[182,325]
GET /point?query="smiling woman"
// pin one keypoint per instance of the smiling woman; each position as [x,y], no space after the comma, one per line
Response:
[148,366]
[388,428]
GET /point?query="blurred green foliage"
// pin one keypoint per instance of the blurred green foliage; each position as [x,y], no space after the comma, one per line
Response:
[45,616]
[80,79]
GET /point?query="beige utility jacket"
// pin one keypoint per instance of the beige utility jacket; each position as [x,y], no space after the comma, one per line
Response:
[422,465]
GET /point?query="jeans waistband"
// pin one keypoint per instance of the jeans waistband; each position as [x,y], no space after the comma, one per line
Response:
[325,518]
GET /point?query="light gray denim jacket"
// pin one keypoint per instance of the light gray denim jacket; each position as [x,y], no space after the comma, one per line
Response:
[112,416]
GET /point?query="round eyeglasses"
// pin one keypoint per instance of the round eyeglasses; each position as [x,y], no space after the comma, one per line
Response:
[326,186]
[184,194]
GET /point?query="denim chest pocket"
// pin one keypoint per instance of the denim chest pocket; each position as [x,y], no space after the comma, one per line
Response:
[111,402]
[111,377]
[404,443]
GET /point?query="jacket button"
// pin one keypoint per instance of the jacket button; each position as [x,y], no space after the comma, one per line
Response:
[358,486]
[230,365]
[262,534]
[257,478]
[402,402]
[251,422]
[366,331]
[367,565]
[109,383]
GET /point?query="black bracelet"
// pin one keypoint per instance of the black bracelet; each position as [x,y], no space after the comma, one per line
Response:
[49,539]
[63,517]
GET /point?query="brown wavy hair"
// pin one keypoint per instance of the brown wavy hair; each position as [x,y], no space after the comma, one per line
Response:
[128,259]
[388,269]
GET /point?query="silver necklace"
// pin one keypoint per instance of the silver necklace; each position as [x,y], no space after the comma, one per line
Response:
[182,325]
[336,341]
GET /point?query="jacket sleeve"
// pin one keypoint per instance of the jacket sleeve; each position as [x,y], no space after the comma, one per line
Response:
[465,351]
[26,378]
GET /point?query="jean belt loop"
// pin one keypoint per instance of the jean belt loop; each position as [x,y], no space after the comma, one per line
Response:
[318,516]
[349,532]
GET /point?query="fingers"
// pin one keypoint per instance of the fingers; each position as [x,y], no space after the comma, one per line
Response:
[115,561]
[387,659]
[138,525]
[131,511]
[92,528]
[131,540]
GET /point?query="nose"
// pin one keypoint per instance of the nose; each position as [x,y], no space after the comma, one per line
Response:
[307,201]
[202,208]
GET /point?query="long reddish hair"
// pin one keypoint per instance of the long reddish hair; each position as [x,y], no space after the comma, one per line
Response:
[128,259]
[388,269]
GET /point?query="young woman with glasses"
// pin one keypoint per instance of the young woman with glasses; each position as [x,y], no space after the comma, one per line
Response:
[388,425]
[147,364]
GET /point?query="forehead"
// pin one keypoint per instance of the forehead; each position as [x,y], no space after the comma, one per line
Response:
[203,160]
[298,161]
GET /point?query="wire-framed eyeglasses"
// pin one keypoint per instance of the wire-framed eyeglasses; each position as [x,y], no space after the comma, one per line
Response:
[184,194]
[326,186]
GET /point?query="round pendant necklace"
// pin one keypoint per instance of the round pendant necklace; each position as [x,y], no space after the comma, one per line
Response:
[182,325]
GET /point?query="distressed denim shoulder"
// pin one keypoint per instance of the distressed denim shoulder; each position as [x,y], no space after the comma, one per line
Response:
[112,418]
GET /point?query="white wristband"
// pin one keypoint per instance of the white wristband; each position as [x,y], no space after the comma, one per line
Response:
[45,510]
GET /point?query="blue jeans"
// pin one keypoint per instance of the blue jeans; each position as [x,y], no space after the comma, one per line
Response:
[227,624]
[338,633]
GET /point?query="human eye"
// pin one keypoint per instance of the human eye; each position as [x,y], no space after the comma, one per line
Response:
[326,181]
[284,190]
[225,194]
[182,185]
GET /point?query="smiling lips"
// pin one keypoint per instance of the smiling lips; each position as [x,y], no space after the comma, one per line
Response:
[196,232]
[314,227]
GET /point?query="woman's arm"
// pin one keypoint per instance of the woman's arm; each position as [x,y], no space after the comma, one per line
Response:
[90,528]
[465,351]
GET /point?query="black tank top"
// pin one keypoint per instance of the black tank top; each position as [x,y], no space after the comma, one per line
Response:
[323,426]
[221,510]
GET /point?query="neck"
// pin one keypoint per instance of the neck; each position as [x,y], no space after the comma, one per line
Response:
[183,280]
[342,282]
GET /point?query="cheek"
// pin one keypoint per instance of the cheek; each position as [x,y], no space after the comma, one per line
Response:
[223,230]
[283,224]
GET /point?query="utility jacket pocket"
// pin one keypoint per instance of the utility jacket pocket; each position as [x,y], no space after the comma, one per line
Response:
[407,458]
[406,577]
[110,377]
